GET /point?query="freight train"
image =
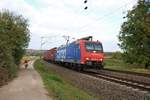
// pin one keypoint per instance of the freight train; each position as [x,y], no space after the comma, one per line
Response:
[81,54]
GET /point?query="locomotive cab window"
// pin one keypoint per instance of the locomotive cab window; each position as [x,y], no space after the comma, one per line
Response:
[94,47]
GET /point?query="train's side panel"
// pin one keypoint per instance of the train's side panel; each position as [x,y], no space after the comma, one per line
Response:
[57,55]
[73,53]
[83,52]
[60,54]
[69,54]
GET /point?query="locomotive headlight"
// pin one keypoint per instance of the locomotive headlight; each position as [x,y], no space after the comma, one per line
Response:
[101,59]
[87,58]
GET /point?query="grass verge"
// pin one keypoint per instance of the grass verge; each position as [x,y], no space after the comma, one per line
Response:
[120,65]
[57,86]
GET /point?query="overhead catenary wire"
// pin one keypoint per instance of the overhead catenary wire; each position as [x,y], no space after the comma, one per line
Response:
[43,42]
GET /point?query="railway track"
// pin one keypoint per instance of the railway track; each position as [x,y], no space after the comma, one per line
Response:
[128,72]
[129,83]
[123,81]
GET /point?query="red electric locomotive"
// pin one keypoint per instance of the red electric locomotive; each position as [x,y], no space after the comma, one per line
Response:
[82,54]
[91,53]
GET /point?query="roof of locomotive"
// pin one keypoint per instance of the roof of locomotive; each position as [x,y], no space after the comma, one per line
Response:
[87,39]
[82,40]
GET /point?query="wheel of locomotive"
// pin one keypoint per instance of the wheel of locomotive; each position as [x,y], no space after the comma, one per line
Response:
[66,64]
[74,66]
[80,67]
[71,65]
[100,66]
[56,62]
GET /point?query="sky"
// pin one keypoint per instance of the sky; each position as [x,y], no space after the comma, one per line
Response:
[54,19]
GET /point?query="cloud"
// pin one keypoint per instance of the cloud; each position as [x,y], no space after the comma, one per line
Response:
[67,17]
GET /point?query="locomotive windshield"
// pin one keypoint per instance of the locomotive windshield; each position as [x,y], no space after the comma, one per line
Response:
[94,47]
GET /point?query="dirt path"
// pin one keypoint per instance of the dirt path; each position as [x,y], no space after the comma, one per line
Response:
[27,86]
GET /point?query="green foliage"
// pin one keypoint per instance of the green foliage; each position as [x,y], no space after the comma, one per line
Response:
[14,38]
[14,33]
[134,36]
[115,62]
[7,62]
[117,55]
[57,86]
[121,65]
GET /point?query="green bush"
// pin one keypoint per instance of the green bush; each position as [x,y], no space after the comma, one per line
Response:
[7,63]
[117,55]
[14,38]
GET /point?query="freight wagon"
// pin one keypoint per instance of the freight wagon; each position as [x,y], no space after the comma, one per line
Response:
[50,55]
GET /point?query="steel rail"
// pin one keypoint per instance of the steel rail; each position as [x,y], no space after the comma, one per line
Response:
[136,85]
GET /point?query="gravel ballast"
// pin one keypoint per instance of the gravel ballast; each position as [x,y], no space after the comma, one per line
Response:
[137,78]
[100,88]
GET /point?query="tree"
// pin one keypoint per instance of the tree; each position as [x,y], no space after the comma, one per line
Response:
[134,36]
[14,31]
[14,38]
